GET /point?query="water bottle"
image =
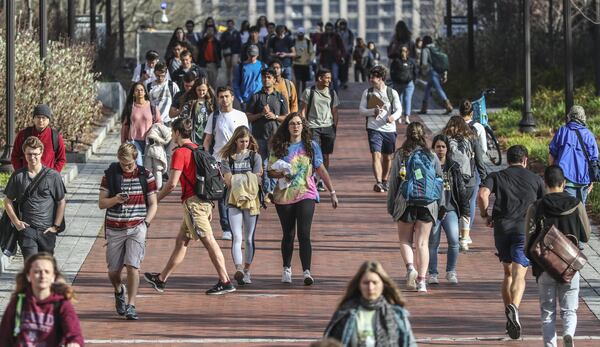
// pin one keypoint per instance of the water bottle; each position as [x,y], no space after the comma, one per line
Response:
[201,190]
[402,172]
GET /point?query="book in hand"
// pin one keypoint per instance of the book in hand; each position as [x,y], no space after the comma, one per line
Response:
[374,101]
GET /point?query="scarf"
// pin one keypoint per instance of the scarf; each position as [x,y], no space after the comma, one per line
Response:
[385,327]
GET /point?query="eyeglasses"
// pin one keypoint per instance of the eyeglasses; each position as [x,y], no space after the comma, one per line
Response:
[295,124]
[29,154]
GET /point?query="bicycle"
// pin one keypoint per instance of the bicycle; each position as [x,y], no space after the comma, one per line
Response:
[480,115]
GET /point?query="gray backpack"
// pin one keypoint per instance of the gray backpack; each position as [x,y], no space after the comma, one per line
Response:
[462,152]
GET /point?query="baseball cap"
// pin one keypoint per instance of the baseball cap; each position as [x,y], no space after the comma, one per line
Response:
[253,50]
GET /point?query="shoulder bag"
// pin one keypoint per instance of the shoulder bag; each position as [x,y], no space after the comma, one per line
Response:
[593,165]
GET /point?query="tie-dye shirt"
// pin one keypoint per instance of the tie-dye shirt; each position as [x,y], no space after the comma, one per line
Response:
[303,185]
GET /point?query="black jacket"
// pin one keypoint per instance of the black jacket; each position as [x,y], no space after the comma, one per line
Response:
[216,48]
[563,211]
[403,72]
[457,195]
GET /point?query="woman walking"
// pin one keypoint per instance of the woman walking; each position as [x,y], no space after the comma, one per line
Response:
[403,72]
[415,217]
[199,103]
[242,169]
[371,312]
[41,292]
[137,118]
[294,159]
[456,205]
[466,150]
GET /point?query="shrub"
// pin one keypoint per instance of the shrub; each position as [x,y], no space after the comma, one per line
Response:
[65,82]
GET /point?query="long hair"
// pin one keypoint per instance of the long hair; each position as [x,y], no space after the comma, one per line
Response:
[391,293]
[58,287]
[231,146]
[172,40]
[281,139]
[245,26]
[415,137]
[445,140]
[457,128]
[126,114]
[209,98]
[402,33]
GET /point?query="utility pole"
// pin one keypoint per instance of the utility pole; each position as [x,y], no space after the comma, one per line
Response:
[10,85]
[568,56]
[527,123]
[43,30]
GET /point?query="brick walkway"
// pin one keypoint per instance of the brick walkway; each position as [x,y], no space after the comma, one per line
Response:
[270,313]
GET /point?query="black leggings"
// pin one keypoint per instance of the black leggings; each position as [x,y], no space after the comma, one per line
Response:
[296,216]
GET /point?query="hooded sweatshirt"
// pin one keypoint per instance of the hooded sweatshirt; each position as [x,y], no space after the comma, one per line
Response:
[563,211]
[38,327]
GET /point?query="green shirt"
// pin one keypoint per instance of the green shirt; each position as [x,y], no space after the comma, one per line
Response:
[319,114]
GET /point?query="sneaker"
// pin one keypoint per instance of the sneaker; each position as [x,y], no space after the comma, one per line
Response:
[514,326]
[247,279]
[463,245]
[308,280]
[239,277]
[433,279]
[378,187]
[407,120]
[227,235]
[120,302]
[321,186]
[221,288]
[131,313]
[385,185]
[155,282]
[468,240]
[568,341]
[411,277]
[286,276]
[421,287]
[451,277]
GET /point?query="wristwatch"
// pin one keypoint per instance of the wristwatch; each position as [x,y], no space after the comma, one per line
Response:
[56,226]
[147,224]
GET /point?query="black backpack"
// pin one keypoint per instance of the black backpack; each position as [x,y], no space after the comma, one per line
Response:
[209,179]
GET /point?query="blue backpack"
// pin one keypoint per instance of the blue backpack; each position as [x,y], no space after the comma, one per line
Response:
[422,186]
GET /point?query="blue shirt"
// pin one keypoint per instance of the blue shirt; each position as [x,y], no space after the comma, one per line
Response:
[568,154]
[247,81]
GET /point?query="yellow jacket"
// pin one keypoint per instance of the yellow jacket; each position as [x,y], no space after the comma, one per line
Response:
[244,192]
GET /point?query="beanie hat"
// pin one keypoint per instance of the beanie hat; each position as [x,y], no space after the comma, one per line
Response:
[576,113]
[42,110]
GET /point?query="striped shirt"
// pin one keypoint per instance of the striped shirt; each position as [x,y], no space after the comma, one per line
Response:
[134,210]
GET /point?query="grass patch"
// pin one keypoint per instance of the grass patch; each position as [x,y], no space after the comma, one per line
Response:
[4,176]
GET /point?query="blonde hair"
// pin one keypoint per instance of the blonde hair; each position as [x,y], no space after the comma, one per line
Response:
[127,151]
[58,287]
[231,147]
[33,143]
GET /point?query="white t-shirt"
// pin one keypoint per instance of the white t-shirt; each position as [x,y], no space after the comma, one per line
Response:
[380,122]
[161,98]
[226,125]
[480,132]
[137,74]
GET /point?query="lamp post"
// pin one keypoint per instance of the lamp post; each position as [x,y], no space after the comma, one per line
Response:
[448,18]
[527,123]
[163,17]
[43,30]
[71,19]
[121,33]
[93,21]
[10,85]
[568,56]
[108,19]
[470,36]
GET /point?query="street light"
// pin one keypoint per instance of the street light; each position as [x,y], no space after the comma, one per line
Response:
[527,123]
[163,17]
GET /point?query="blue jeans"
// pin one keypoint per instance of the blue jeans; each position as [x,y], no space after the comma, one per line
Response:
[580,192]
[223,217]
[566,295]
[406,94]
[335,75]
[268,184]
[287,72]
[450,224]
[434,80]
[141,148]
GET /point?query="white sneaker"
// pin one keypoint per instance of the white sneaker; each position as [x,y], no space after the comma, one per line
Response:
[468,240]
[421,287]
[451,277]
[433,279]
[247,279]
[286,276]
[411,277]
[308,280]
[227,236]
[463,245]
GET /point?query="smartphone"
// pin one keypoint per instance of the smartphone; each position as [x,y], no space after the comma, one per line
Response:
[123,196]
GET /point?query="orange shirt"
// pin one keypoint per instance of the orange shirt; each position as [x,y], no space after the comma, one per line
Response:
[209,52]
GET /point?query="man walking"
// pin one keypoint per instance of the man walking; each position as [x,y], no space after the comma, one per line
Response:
[281,47]
[210,55]
[161,92]
[320,107]
[331,51]
[35,201]
[54,154]
[128,193]
[568,215]
[219,128]
[381,106]
[247,80]
[266,110]
[347,37]
[196,216]
[515,188]
[187,66]
[231,44]
[284,86]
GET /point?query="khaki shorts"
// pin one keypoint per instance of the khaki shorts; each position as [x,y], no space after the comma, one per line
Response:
[196,223]
[125,247]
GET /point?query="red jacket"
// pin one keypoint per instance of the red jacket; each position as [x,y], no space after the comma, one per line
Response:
[37,323]
[50,159]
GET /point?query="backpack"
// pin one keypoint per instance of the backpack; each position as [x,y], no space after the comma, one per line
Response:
[170,88]
[29,132]
[422,186]
[114,179]
[288,87]
[311,95]
[398,73]
[439,60]
[463,154]
[390,96]
[209,179]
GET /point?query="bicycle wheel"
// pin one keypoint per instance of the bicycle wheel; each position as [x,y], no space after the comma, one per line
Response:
[493,148]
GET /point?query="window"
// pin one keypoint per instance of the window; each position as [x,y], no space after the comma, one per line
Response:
[297,23]
[315,9]
[388,8]
[373,23]
[372,10]
[353,24]
[372,36]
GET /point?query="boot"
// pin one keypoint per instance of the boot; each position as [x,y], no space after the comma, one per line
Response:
[423,108]
[448,106]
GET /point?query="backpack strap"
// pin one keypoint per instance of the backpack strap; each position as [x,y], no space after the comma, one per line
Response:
[18,313]
[390,95]
[289,90]
[143,182]
[57,319]
[311,97]
[171,89]
[54,141]
[148,87]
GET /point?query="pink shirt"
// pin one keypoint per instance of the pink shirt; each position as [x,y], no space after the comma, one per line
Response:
[141,121]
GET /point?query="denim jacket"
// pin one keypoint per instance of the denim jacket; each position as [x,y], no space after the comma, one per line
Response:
[568,154]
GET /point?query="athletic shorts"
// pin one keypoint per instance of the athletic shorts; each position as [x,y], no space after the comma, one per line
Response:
[511,247]
[302,72]
[196,214]
[381,142]
[325,137]
[125,247]
[413,214]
